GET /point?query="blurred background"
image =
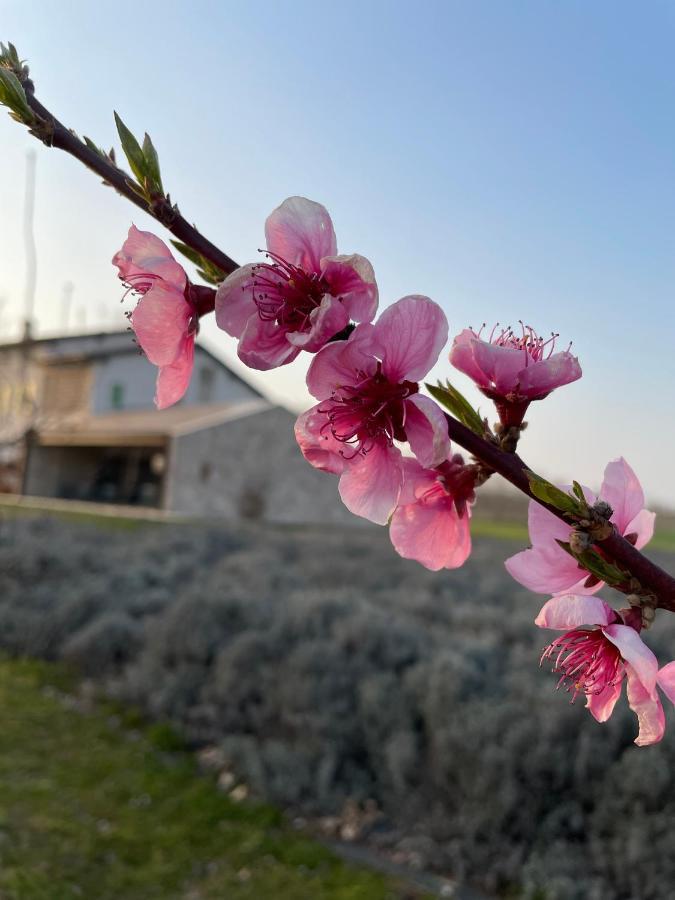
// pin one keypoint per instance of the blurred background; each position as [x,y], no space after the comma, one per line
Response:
[513,162]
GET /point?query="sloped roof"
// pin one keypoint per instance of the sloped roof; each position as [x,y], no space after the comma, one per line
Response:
[103,352]
[143,428]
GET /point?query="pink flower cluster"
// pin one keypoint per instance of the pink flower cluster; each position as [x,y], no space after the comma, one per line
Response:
[302,297]
[365,377]
[369,401]
[599,647]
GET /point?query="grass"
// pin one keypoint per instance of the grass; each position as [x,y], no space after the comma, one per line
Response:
[91,808]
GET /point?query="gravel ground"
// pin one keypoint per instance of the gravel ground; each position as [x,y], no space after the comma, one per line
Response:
[324,670]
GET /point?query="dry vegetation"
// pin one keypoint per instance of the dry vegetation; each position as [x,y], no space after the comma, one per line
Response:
[325,668]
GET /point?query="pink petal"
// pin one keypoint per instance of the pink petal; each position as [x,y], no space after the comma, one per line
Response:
[428,533]
[622,490]
[416,480]
[160,322]
[539,378]
[173,380]
[341,362]
[353,280]
[371,484]
[462,549]
[143,253]
[548,571]
[666,681]
[263,345]
[409,335]
[647,707]
[462,357]
[234,301]
[545,528]
[317,444]
[301,232]
[502,365]
[602,705]
[572,611]
[636,653]
[427,430]
[325,322]
[643,526]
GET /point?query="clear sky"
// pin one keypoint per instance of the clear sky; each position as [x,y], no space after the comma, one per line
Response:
[510,160]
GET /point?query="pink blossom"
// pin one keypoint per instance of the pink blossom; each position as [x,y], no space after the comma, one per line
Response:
[513,370]
[547,569]
[165,321]
[431,521]
[597,651]
[302,297]
[368,393]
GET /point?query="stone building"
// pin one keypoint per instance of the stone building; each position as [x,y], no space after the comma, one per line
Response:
[77,421]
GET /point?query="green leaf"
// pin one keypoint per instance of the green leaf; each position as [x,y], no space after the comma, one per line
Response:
[9,59]
[205,268]
[578,491]
[549,493]
[152,166]
[133,152]
[94,147]
[596,565]
[13,96]
[454,401]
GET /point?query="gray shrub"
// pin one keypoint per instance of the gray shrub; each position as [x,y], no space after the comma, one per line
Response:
[327,669]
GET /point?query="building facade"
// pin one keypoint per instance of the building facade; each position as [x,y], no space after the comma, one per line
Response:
[77,421]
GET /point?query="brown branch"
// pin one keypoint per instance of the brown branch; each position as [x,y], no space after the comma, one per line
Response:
[507,464]
[54,134]
[511,467]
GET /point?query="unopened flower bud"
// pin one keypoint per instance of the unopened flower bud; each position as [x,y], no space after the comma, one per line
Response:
[580,541]
[602,509]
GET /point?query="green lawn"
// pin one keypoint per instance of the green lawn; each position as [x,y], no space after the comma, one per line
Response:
[93,808]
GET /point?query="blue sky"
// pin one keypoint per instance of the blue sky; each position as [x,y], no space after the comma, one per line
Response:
[510,160]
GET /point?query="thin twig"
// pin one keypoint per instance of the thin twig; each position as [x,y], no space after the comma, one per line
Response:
[509,465]
[57,135]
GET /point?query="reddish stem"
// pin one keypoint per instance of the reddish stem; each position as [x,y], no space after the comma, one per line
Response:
[58,135]
[511,467]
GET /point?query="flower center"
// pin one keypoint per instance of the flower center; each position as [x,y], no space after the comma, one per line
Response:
[285,293]
[140,283]
[369,412]
[586,659]
[534,347]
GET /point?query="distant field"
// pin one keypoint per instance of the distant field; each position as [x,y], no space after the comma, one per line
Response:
[92,807]
[493,517]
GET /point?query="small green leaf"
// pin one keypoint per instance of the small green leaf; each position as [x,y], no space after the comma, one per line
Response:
[205,268]
[549,493]
[13,96]
[92,146]
[133,152]
[454,401]
[9,59]
[152,166]
[578,491]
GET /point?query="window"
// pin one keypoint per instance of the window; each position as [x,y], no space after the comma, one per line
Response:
[117,396]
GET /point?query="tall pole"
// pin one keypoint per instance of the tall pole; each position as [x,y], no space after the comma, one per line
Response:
[29,242]
[66,305]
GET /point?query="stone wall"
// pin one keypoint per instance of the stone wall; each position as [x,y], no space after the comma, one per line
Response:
[251,467]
